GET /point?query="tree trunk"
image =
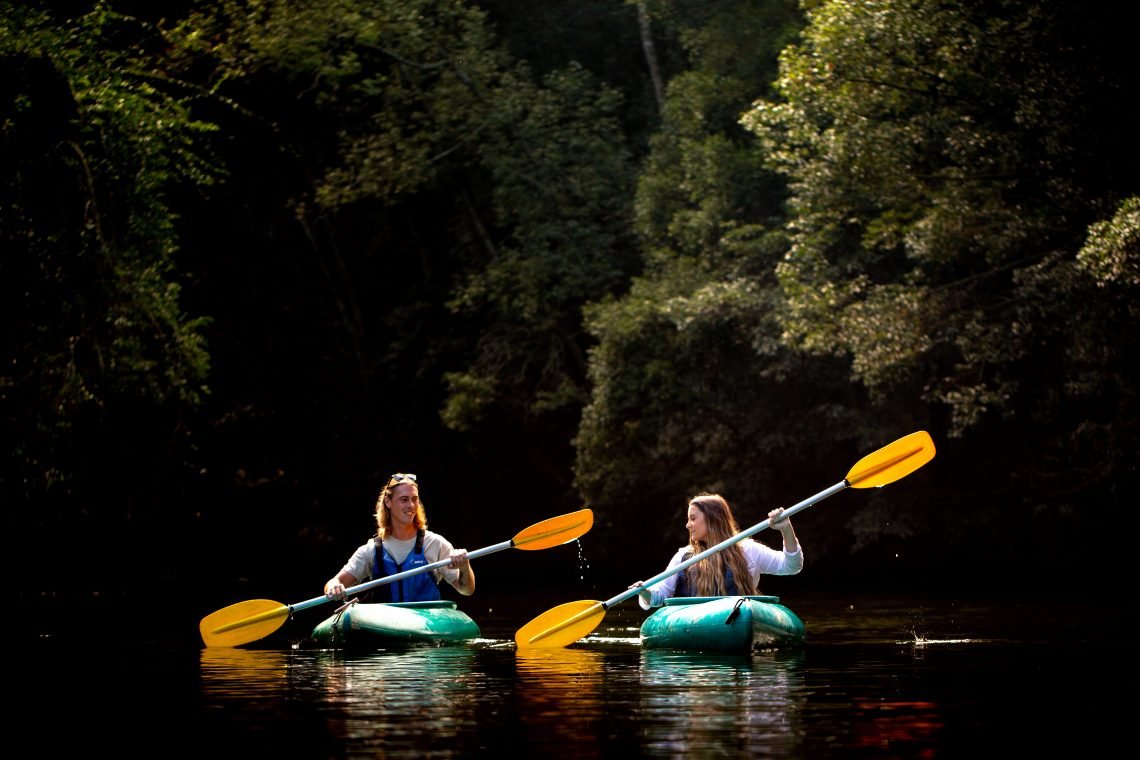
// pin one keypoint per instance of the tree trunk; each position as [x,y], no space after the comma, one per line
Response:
[650,55]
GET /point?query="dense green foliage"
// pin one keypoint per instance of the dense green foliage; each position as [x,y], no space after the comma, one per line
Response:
[93,141]
[692,387]
[259,253]
[945,164]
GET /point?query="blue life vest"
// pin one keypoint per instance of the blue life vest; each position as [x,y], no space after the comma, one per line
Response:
[682,587]
[418,588]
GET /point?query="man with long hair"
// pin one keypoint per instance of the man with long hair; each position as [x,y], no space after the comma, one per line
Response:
[403,543]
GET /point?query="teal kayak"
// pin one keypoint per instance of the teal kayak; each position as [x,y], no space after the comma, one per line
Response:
[722,624]
[358,625]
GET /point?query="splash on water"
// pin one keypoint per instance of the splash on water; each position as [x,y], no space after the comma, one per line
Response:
[920,641]
[612,639]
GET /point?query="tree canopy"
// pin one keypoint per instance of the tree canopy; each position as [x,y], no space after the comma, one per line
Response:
[260,253]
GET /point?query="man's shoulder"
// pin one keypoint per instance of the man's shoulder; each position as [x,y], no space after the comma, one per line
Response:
[434,538]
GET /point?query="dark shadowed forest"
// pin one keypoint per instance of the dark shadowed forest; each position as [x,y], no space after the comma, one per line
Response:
[259,254]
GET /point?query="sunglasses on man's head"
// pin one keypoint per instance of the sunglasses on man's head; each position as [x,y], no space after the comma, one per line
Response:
[402,477]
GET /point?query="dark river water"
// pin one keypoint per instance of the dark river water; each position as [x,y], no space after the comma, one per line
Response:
[905,677]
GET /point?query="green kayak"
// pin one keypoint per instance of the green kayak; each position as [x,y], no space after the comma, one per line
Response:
[722,624]
[358,625]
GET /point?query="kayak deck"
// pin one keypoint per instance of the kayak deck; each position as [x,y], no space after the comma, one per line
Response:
[374,624]
[722,623]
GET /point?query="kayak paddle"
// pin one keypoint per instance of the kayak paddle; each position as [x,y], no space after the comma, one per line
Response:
[251,620]
[566,623]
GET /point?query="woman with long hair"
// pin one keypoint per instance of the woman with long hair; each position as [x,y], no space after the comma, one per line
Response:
[732,571]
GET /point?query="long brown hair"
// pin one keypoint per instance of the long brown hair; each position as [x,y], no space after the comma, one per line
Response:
[383,514]
[706,578]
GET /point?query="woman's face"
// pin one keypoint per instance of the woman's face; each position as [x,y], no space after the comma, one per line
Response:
[696,525]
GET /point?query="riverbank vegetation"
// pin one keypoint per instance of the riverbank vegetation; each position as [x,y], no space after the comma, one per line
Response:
[257,254]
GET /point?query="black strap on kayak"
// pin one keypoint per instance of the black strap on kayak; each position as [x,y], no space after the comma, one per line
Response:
[735,610]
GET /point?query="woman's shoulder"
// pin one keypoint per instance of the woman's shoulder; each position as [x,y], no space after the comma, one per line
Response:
[751,545]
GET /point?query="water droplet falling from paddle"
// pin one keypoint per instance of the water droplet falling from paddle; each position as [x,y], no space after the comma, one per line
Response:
[583,563]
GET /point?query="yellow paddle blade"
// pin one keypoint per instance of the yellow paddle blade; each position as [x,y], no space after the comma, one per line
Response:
[555,531]
[892,462]
[243,622]
[560,626]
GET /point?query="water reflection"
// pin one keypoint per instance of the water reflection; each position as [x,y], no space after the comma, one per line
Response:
[897,724]
[387,700]
[703,704]
[861,687]
[560,698]
[549,678]
[237,672]
[254,701]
